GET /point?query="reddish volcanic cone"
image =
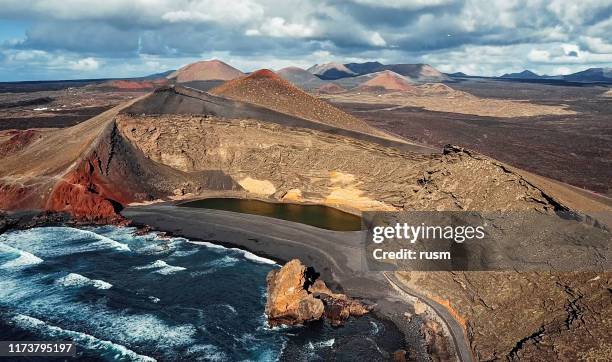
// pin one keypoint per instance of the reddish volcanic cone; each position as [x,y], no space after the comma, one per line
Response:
[205,70]
[265,88]
[330,88]
[388,81]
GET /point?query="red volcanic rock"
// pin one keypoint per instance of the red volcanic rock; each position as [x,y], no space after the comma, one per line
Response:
[18,141]
[263,73]
[86,195]
[12,195]
[330,88]
[389,81]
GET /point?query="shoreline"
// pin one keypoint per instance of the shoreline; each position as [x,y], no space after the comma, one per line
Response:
[335,255]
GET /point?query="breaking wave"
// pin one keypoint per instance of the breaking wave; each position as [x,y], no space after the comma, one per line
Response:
[53,241]
[100,287]
[161,267]
[17,258]
[246,254]
[78,280]
[105,348]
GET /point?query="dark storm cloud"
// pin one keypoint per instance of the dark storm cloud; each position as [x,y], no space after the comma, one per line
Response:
[395,18]
[81,37]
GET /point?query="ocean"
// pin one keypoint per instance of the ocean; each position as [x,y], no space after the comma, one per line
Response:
[126,297]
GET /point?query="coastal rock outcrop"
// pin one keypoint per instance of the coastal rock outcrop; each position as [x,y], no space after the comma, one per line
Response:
[296,296]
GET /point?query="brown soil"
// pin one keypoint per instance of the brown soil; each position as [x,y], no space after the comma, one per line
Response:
[205,70]
[330,88]
[135,85]
[14,141]
[267,89]
[574,149]
[527,316]
[59,108]
[441,99]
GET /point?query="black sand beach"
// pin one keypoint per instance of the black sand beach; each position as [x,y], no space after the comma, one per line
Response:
[336,255]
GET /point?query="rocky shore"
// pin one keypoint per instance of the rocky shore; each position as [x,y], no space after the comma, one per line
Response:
[327,285]
[296,295]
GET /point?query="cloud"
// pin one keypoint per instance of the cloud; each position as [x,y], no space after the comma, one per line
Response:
[377,40]
[484,36]
[405,4]
[597,45]
[278,27]
[236,12]
[86,64]
[536,55]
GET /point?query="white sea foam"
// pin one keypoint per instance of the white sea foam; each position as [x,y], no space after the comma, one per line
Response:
[211,353]
[78,280]
[21,258]
[56,241]
[114,350]
[230,307]
[322,344]
[161,267]
[247,255]
[255,258]
[183,253]
[214,265]
[375,328]
[208,245]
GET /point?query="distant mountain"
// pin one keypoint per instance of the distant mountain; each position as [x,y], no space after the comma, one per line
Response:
[300,77]
[457,74]
[591,75]
[525,74]
[331,71]
[421,73]
[205,70]
[365,68]
[388,81]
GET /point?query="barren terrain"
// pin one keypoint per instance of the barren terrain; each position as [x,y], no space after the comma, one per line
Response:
[438,99]
[59,108]
[178,143]
[572,148]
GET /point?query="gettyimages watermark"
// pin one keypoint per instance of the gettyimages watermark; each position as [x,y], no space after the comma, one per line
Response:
[486,241]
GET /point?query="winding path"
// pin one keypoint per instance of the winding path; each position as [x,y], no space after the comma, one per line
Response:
[462,346]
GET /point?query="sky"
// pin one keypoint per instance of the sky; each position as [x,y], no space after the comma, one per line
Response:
[72,39]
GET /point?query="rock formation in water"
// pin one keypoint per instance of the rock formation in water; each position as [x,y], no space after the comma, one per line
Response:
[296,296]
